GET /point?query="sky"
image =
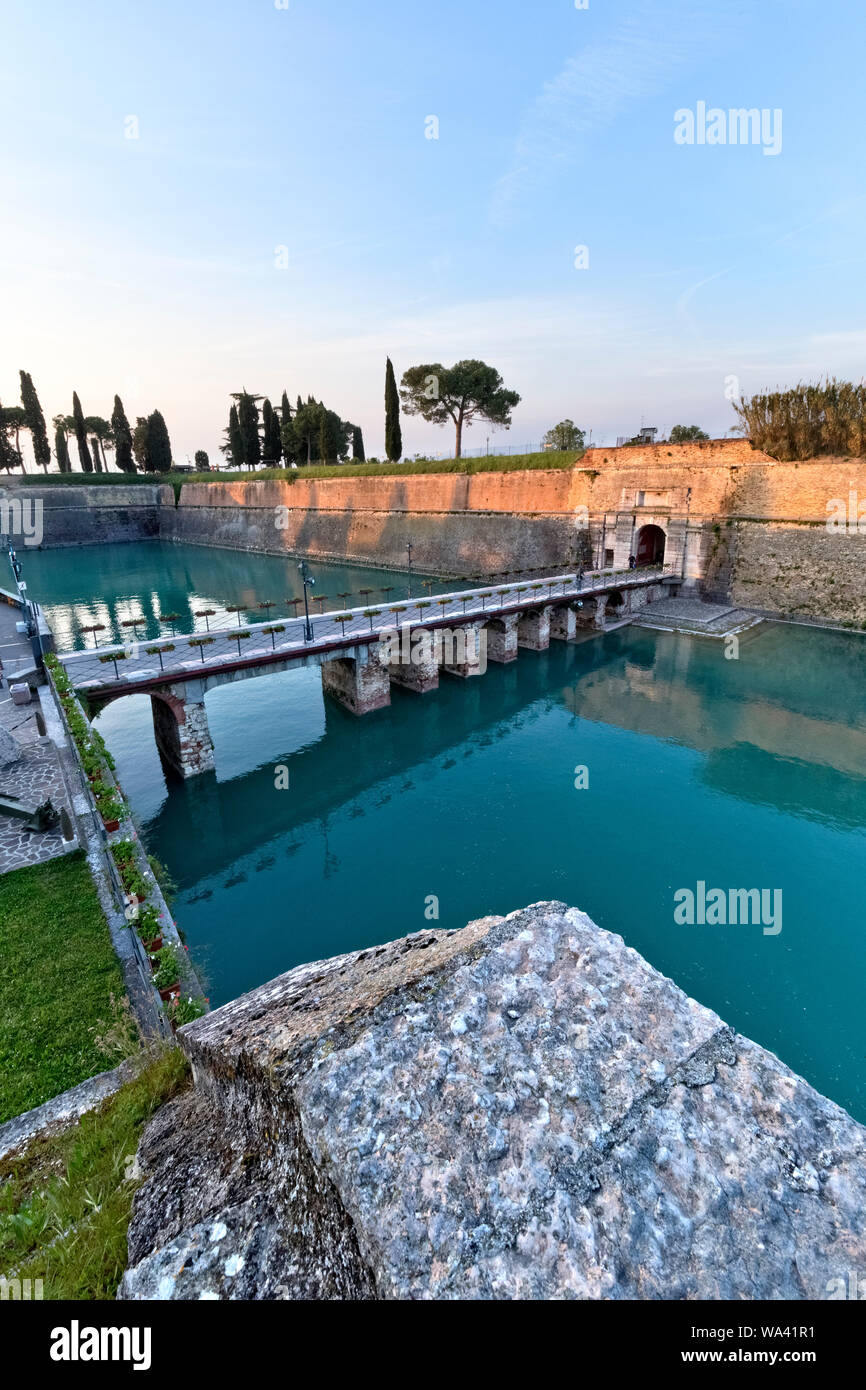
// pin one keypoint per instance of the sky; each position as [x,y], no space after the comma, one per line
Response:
[200,198]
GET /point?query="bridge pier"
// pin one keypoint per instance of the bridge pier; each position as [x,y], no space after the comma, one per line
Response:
[463,650]
[593,613]
[563,623]
[502,638]
[181,730]
[361,682]
[599,619]
[533,630]
[411,660]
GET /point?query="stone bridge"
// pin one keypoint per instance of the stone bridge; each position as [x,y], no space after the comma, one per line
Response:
[361,651]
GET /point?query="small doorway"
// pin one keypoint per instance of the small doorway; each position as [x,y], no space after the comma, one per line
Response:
[650,546]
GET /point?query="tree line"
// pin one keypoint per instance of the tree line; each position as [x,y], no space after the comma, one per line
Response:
[145,448]
[276,435]
[805,421]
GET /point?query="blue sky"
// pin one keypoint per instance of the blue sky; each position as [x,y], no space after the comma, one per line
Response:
[148,266]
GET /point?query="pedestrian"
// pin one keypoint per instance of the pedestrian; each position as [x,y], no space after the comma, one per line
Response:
[632,562]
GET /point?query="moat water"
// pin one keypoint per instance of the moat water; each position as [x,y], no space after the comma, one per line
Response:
[738,774]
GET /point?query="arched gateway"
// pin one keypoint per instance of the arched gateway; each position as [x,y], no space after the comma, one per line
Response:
[650,548]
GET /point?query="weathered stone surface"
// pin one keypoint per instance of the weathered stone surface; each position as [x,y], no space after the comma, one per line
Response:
[524,1109]
[9,750]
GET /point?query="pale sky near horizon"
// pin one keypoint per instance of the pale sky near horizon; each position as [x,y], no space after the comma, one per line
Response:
[149,267]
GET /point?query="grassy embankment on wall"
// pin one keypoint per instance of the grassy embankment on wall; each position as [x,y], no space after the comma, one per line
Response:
[65,1203]
[492,463]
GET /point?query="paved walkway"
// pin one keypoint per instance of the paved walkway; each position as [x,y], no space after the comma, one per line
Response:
[37,774]
[693,615]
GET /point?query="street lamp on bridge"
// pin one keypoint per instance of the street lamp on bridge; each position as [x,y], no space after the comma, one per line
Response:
[307,580]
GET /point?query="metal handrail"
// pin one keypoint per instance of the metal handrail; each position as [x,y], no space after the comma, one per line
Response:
[457,607]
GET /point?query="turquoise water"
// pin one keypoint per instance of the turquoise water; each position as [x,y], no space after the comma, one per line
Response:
[747,773]
[114,584]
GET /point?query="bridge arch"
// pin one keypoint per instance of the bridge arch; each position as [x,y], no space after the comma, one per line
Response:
[180,728]
[650,546]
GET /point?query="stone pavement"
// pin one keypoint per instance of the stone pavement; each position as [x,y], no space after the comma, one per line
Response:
[693,615]
[37,774]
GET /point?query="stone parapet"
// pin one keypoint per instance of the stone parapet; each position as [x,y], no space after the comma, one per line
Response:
[523,1109]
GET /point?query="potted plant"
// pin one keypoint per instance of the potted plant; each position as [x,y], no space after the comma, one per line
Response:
[113,657]
[166,976]
[149,929]
[179,1011]
[111,809]
[158,651]
[201,643]
[134,882]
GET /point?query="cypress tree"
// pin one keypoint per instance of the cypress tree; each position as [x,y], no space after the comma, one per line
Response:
[35,421]
[248,420]
[271,445]
[393,434]
[141,443]
[287,430]
[158,444]
[9,458]
[94,444]
[81,435]
[358,444]
[61,449]
[324,436]
[122,438]
[236,444]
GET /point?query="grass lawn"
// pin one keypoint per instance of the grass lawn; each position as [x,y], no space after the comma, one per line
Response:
[65,1205]
[64,1015]
[487,463]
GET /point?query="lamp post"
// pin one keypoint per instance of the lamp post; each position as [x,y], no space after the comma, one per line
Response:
[409,549]
[307,580]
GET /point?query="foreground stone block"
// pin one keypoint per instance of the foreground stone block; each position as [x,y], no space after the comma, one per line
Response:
[523,1109]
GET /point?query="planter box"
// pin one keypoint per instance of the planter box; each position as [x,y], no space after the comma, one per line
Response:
[170,992]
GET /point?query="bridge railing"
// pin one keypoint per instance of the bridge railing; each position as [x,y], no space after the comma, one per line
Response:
[456,607]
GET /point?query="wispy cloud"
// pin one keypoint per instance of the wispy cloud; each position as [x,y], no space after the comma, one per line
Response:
[602,81]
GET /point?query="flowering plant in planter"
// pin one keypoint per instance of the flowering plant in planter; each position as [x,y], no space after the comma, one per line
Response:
[111,808]
[134,881]
[180,1011]
[167,974]
[149,927]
